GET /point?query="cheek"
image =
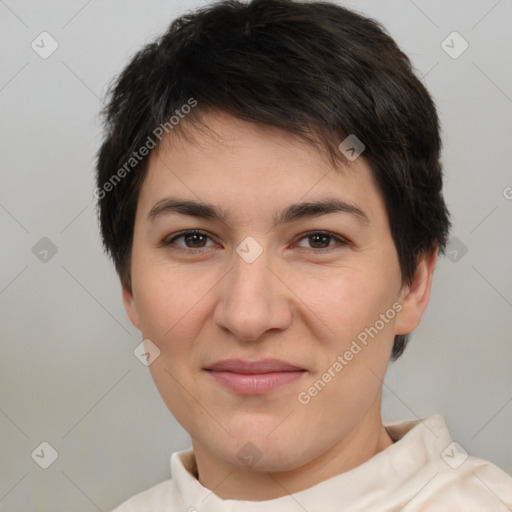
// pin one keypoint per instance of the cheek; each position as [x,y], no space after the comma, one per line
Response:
[170,303]
[172,308]
[355,350]
[346,302]
[357,344]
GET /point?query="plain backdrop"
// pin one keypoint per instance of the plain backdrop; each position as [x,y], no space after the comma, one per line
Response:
[68,375]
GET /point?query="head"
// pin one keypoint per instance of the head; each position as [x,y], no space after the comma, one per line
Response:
[247,120]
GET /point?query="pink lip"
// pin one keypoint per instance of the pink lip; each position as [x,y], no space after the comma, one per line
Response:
[254,377]
[252,367]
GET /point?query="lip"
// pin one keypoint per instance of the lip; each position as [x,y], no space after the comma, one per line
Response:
[254,377]
[253,367]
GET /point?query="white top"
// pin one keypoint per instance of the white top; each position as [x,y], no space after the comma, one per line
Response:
[423,471]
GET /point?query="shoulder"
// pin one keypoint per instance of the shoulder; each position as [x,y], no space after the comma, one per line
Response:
[473,486]
[154,498]
[432,473]
[481,479]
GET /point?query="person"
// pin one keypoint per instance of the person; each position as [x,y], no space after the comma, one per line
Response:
[269,188]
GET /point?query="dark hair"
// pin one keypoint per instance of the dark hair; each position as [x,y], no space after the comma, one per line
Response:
[314,69]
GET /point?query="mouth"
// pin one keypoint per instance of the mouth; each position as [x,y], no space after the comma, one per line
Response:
[254,377]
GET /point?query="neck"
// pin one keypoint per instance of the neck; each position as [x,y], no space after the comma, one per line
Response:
[367,439]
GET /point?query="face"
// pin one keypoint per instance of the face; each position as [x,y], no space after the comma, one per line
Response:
[250,247]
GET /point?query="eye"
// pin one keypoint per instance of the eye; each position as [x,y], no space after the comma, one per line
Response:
[321,240]
[191,239]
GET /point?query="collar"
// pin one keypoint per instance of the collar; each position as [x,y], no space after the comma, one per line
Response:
[417,443]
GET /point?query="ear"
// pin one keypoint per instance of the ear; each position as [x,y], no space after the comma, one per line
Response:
[130,306]
[414,298]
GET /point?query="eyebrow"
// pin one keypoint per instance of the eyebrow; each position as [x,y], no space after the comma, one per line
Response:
[292,213]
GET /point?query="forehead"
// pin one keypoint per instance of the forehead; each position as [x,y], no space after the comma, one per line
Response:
[254,168]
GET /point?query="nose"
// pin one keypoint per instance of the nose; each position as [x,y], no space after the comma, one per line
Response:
[253,300]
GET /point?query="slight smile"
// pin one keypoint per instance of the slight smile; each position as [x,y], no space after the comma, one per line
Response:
[254,377]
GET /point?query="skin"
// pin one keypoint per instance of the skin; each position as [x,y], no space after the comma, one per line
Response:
[199,305]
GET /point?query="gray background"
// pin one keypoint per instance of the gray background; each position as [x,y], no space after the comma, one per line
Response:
[67,372]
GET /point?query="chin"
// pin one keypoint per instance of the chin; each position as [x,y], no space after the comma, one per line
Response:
[263,455]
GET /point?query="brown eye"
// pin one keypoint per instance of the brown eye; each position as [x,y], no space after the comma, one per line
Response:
[321,240]
[195,240]
[191,240]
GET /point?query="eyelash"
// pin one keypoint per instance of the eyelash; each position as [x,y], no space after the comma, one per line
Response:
[168,242]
